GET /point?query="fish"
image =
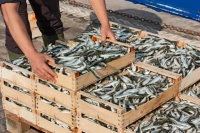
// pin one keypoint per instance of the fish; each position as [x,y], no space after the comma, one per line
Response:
[19,104]
[12,86]
[129,89]
[163,120]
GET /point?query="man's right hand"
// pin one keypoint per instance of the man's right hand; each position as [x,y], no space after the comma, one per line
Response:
[19,33]
[39,66]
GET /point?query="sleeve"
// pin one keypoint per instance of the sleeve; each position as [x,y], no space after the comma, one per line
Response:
[8,1]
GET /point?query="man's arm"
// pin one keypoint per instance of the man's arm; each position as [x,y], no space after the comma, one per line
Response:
[99,8]
[20,35]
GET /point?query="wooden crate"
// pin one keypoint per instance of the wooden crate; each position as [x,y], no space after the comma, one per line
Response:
[123,26]
[76,82]
[55,113]
[16,95]
[121,119]
[47,125]
[18,110]
[67,100]
[17,79]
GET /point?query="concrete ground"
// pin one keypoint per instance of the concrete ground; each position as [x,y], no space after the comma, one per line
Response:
[74,26]
[144,12]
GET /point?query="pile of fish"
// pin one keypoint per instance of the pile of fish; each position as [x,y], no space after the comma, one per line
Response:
[159,52]
[99,123]
[193,90]
[16,88]
[19,104]
[177,117]
[86,56]
[166,55]
[89,55]
[129,88]
[22,64]
[57,122]
[58,106]
[121,34]
[54,87]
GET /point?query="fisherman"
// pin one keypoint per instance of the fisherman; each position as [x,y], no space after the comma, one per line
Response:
[18,33]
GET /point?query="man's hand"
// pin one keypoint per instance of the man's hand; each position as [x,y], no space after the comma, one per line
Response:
[38,63]
[99,8]
[21,37]
[106,32]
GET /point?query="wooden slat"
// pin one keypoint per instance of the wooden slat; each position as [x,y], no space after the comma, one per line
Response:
[81,93]
[72,43]
[190,79]
[19,111]
[90,127]
[144,109]
[18,68]
[112,67]
[98,113]
[115,42]
[57,96]
[65,81]
[57,66]
[51,126]
[189,98]
[55,113]
[19,96]
[31,90]
[158,70]
[125,26]
[18,79]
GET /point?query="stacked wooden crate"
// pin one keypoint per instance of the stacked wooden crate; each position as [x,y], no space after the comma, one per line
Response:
[46,97]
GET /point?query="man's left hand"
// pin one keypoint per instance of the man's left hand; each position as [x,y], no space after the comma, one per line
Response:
[106,32]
